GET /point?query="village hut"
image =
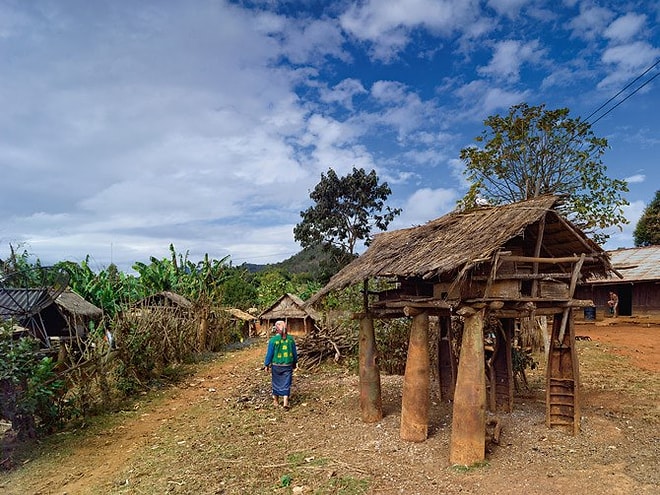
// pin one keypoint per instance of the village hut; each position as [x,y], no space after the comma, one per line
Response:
[66,318]
[300,319]
[638,287]
[165,299]
[504,262]
[244,322]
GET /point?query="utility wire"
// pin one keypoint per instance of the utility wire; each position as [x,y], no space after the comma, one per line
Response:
[636,90]
[622,90]
[624,99]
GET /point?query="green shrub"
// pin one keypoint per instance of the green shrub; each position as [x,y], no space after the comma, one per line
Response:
[29,387]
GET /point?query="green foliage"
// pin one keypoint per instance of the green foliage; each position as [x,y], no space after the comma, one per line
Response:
[17,262]
[315,262]
[271,285]
[647,230]
[346,210]
[29,388]
[238,291]
[392,345]
[532,152]
[522,359]
[285,480]
[108,289]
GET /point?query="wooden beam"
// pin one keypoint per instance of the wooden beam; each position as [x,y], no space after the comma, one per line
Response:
[525,276]
[418,303]
[564,259]
[576,275]
[493,274]
[537,253]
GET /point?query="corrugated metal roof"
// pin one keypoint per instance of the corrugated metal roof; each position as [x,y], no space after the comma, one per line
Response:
[636,264]
[18,303]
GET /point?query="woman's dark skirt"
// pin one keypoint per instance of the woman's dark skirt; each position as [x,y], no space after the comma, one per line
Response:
[281,377]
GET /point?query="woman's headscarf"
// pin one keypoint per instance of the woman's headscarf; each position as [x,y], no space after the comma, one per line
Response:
[280,327]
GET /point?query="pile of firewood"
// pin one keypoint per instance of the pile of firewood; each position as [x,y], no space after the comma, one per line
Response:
[324,344]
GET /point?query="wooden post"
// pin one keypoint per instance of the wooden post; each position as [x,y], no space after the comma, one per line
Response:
[203,329]
[446,360]
[468,431]
[503,367]
[370,396]
[416,381]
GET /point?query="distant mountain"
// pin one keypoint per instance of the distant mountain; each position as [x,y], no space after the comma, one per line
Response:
[317,263]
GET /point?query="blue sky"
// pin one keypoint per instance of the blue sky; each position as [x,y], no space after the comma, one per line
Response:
[126,126]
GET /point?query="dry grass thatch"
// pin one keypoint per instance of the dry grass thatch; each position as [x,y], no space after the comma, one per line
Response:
[76,305]
[459,240]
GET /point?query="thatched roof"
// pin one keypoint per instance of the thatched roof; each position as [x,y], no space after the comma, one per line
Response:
[240,314]
[286,307]
[166,298]
[460,240]
[74,304]
[17,302]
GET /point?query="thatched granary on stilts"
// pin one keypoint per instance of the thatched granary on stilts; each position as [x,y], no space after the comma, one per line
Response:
[506,262]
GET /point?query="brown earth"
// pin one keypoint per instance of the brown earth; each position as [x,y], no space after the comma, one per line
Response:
[217,433]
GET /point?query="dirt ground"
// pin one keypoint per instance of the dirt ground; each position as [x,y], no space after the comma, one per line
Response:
[217,433]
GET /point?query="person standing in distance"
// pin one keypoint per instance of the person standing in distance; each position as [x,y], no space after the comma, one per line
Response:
[281,359]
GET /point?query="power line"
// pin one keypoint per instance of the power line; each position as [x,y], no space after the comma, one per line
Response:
[621,91]
[647,82]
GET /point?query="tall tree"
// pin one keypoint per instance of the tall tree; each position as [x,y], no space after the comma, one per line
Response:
[647,230]
[347,210]
[533,151]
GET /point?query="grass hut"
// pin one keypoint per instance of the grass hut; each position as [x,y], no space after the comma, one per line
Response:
[500,262]
[299,318]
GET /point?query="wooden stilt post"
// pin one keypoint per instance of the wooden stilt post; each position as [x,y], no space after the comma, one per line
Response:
[502,382]
[468,430]
[370,396]
[416,381]
[446,360]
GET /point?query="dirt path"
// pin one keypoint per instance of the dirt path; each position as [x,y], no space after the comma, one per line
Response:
[217,433]
[638,341]
[97,461]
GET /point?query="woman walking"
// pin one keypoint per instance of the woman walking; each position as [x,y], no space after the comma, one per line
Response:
[281,359]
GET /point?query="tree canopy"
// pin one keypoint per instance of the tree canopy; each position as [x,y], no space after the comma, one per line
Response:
[533,151]
[346,211]
[647,230]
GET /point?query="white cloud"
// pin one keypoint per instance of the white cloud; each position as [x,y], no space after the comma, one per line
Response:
[625,27]
[480,100]
[509,56]
[509,8]
[387,23]
[425,204]
[343,93]
[591,21]
[627,62]
[635,179]
[312,41]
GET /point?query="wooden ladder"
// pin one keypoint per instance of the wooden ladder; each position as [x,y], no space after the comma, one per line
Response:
[563,377]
